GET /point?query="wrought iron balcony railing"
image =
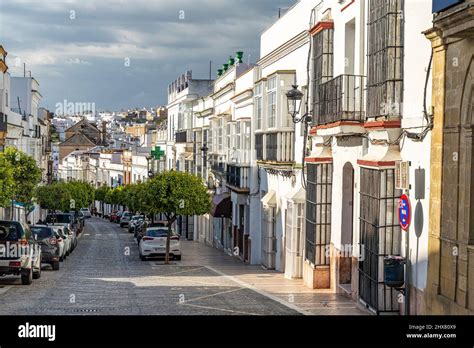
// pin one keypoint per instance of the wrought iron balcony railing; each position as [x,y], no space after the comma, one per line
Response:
[341,99]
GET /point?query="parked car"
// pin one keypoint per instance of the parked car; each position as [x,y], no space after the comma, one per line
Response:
[86,212]
[140,228]
[133,222]
[66,239]
[125,219]
[63,219]
[153,244]
[20,253]
[50,248]
[115,216]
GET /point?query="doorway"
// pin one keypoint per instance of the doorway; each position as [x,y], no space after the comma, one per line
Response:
[347,227]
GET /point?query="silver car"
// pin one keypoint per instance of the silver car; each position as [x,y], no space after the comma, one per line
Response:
[125,219]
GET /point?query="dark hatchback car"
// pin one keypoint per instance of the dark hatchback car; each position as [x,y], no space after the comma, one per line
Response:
[20,254]
[50,250]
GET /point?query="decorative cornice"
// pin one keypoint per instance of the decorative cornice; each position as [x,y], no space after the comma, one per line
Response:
[291,45]
[318,159]
[320,26]
[383,124]
[376,164]
[242,96]
[226,89]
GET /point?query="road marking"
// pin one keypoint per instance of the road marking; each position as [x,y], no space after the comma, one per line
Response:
[87,235]
[259,291]
[218,309]
[5,289]
[99,234]
[219,293]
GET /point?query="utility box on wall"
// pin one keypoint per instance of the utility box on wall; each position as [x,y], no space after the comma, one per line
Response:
[402,175]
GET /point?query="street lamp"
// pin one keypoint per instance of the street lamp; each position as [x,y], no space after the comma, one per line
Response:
[294,100]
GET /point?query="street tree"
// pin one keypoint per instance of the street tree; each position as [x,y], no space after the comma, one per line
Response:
[6,182]
[55,197]
[176,194]
[26,176]
[100,194]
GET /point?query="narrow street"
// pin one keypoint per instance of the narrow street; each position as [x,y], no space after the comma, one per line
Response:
[104,276]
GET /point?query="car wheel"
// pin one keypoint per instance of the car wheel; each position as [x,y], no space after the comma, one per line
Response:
[27,277]
[55,266]
[37,275]
[143,258]
[178,258]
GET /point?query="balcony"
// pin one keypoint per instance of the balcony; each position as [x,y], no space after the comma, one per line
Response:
[237,178]
[275,147]
[341,99]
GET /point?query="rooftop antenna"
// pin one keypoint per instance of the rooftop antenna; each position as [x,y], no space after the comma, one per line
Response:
[24,69]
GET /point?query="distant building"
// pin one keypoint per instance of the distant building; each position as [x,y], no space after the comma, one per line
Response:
[82,136]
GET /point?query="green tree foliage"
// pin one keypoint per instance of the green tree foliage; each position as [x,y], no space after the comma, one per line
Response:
[59,196]
[26,174]
[174,194]
[6,182]
[54,197]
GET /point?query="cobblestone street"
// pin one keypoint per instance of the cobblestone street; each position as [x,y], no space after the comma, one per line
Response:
[101,277]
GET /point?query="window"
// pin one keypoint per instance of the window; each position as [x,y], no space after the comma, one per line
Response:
[380,236]
[385,58]
[259,105]
[210,140]
[259,146]
[238,135]
[322,65]
[220,134]
[272,100]
[246,135]
[318,213]
[272,147]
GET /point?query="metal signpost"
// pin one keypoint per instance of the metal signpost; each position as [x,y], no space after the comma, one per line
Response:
[404,214]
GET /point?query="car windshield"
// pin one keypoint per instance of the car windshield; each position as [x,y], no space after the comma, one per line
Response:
[85,209]
[136,218]
[42,232]
[161,232]
[10,231]
[59,218]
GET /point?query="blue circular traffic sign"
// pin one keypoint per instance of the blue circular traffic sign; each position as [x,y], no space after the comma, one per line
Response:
[404,212]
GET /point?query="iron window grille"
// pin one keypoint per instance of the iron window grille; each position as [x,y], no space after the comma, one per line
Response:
[385,58]
[380,236]
[318,213]
[323,48]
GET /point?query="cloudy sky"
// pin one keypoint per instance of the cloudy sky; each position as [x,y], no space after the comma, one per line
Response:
[78,50]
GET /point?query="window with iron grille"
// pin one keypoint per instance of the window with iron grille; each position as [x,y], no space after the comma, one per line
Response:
[385,58]
[380,236]
[259,146]
[322,65]
[318,213]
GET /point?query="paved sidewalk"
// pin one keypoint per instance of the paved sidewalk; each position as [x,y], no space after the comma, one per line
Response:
[291,293]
